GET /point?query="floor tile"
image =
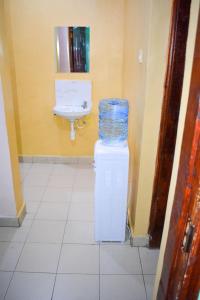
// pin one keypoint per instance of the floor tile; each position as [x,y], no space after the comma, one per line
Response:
[82,195]
[56,195]
[118,287]
[22,177]
[32,194]
[39,258]
[76,287]
[25,166]
[53,211]
[80,259]
[31,286]
[80,211]
[5,278]
[23,174]
[149,259]
[36,179]
[13,234]
[26,223]
[24,169]
[63,169]
[86,161]
[85,168]
[119,259]
[61,180]
[46,232]
[42,168]
[84,178]
[9,255]
[84,165]
[149,284]
[79,233]
[31,209]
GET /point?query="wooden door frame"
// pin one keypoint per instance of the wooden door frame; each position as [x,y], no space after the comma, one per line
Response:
[180,277]
[169,118]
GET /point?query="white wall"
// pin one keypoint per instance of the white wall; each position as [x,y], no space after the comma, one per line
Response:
[7,198]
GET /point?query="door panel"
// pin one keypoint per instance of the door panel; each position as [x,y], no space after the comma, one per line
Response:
[169,118]
[180,277]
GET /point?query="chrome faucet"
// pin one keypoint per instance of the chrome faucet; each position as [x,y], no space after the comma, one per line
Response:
[84,105]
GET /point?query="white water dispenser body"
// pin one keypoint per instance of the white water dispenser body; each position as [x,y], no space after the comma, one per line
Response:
[111,191]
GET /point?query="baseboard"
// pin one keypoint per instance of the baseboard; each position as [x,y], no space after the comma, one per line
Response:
[56,159]
[14,221]
[137,241]
[140,241]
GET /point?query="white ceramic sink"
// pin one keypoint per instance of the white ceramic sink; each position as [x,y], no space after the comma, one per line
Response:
[71,112]
[73,101]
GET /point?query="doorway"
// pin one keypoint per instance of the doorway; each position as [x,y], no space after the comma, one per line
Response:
[169,118]
[180,277]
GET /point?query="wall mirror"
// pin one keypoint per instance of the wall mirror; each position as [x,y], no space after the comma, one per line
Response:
[72,45]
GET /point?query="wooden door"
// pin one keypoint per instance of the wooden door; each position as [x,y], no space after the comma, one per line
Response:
[180,277]
[169,118]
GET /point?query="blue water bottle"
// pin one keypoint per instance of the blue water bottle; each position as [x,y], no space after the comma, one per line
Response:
[113,121]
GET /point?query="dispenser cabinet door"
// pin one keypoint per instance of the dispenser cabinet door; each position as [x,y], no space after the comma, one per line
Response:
[111,191]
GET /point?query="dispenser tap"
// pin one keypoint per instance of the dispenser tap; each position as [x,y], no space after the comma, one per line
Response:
[84,105]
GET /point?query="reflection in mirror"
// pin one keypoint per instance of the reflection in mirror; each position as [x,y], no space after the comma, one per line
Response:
[72,49]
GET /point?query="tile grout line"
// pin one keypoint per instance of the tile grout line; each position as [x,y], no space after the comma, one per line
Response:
[53,243]
[40,202]
[28,171]
[9,285]
[59,257]
[142,273]
[97,244]
[77,273]
[63,240]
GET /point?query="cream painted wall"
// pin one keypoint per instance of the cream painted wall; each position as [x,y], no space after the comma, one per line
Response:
[119,29]
[31,25]
[185,93]
[11,202]
[156,68]
[147,28]
[136,37]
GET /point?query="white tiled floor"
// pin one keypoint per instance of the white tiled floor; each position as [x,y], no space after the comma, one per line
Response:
[118,287]
[5,278]
[79,232]
[119,259]
[31,286]
[79,259]
[54,256]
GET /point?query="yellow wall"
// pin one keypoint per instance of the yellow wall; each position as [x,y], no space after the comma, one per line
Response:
[186,85]
[156,67]
[147,28]
[136,37]
[119,29]
[9,108]
[31,25]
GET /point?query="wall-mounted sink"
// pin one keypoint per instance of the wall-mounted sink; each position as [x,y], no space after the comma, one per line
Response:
[71,112]
[73,100]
